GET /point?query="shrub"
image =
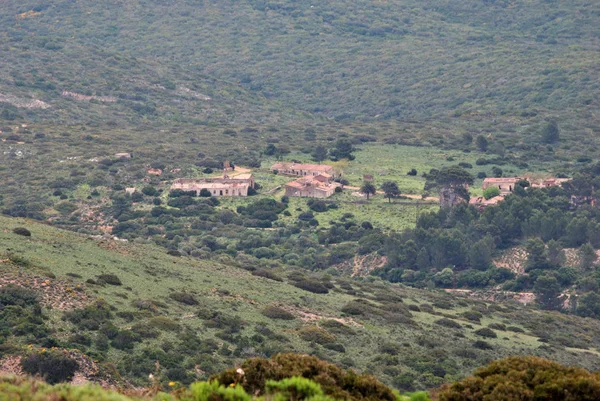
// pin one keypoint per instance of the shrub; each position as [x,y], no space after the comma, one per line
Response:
[525,378]
[337,327]
[472,316]
[184,298]
[125,339]
[275,312]
[311,286]
[335,382]
[497,326]
[448,323]
[485,332]
[22,231]
[480,344]
[515,329]
[53,366]
[164,323]
[315,334]
[335,347]
[111,279]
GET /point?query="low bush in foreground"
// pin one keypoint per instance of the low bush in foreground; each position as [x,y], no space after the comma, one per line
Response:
[525,379]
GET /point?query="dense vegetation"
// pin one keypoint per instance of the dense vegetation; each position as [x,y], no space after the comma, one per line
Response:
[525,379]
[299,377]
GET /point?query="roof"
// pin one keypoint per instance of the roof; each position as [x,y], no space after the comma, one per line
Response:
[503,179]
[301,166]
[211,185]
[244,176]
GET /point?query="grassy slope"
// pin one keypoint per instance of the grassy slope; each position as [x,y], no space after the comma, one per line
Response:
[148,273]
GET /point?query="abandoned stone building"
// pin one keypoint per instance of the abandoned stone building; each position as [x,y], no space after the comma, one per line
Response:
[302,170]
[319,186]
[505,185]
[238,185]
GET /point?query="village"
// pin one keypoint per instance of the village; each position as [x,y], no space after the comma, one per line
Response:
[322,181]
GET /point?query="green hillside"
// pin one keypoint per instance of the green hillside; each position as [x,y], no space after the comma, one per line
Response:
[347,60]
[127,306]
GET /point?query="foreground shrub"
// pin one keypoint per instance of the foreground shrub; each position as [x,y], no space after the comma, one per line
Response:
[525,379]
[53,366]
[335,381]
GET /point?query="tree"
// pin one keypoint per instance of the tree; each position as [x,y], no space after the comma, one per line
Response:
[482,143]
[391,190]
[536,255]
[342,150]
[271,149]
[588,256]
[368,188]
[319,154]
[588,305]
[550,132]
[452,183]
[491,192]
[556,254]
[547,292]
[480,253]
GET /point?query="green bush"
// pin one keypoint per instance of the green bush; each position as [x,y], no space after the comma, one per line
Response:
[184,298]
[164,323]
[485,332]
[111,279]
[315,334]
[448,323]
[480,344]
[22,231]
[524,379]
[311,285]
[53,366]
[267,274]
[335,382]
[275,312]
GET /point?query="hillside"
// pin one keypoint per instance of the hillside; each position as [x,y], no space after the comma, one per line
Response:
[127,306]
[347,60]
[69,84]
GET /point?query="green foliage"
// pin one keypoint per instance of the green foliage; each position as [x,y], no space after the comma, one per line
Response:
[315,334]
[525,378]
[334,381]
[53,366]
[547,292]
[391,190]
[491,192]
[22,231]
[368,189]
[550,132]
[275,312]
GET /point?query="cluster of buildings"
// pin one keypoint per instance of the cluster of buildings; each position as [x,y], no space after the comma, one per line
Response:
[506,185]
[316,180]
